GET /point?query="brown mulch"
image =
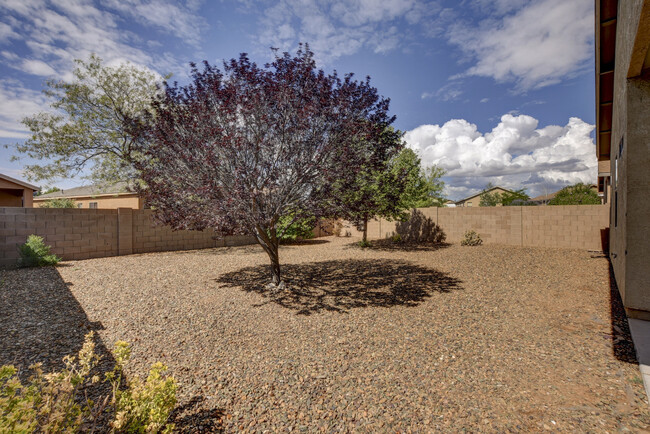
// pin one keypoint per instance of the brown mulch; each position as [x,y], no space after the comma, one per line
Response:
[433,338]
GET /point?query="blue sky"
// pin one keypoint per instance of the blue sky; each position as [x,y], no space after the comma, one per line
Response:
[497,91]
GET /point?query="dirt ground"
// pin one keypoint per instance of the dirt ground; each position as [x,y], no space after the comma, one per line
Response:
[390,338]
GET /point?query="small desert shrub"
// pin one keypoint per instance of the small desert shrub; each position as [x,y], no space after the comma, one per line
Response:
[48,403]
[397,238]
[35,253]
[54,402]
[364,244]
[471,238]
[337,227]
[63,202]
[143,407]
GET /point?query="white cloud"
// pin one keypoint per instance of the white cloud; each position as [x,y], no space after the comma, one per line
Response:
[17,102]
[484,100]
[515,154]
[340,27]
[539,45]
[37,67]
[56,33]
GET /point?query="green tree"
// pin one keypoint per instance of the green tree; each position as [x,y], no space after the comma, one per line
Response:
[489,198]
[422,187]
[61,202]
[88,129]
[505,199]
[578,194]
[47,191]
[509,197]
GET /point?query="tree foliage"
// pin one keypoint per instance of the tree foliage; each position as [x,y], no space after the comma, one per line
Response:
[47,191]
[239,148]
[59,202]
[508,198]
[388,192]
[578,194]
[87,131]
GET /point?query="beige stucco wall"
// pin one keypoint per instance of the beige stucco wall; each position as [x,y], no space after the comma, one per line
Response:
[95,233]
[103,202]
[567,226]
[630,194]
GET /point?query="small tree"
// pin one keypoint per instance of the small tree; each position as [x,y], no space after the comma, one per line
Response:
[505,199]
[578,194]
[61,202]
[423,187]
[88,127]
[489,198]
[47,191]
[238,149]
[509,197]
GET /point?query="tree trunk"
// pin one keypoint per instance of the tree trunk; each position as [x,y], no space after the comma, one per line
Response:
[365,230]
[269,243]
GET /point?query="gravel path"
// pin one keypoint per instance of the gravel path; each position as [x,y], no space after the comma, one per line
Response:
[488,338]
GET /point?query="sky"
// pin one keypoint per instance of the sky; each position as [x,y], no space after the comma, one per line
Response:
[498,91]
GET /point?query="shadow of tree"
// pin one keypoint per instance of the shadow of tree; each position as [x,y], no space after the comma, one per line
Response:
[309,242]
[342,285]
[393,246]
[419,229]
[192,417]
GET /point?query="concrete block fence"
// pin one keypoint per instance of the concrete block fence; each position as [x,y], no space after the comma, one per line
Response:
[566,226]
[96,233]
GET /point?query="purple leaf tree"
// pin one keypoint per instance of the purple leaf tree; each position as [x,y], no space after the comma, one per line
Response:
[238,148]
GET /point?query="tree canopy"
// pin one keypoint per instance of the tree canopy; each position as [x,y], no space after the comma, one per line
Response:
[578,194]
[239,148]
[508,198]
[87,132]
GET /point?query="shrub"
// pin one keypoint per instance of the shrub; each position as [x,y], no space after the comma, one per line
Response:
[291,229]
[364,243]
[397,238]
[142,407]
[471,238]
[35,253]
[55,403]
[49,403]
[63,202]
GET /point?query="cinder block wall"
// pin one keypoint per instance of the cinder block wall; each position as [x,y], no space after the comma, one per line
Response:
[95,233]
[570,226]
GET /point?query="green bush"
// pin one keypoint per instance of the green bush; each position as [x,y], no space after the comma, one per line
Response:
[290,228]
[63,202]
[35,253]
[55,402]
[143,407]
[471,238]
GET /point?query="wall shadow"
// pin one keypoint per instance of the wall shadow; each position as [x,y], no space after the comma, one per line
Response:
[342,285]
[622,344]
[42,321]
[419,229]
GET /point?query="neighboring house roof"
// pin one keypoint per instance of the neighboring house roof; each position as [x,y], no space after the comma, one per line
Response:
[120,188]
[481,192]
[16,181]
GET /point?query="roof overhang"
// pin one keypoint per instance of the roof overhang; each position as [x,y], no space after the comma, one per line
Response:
[21,183]
[606,11]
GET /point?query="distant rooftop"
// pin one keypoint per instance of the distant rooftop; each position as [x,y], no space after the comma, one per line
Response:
[88,190]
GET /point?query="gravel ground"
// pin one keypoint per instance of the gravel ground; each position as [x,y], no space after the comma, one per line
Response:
[390,339]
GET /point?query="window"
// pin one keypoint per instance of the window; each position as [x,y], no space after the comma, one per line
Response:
[92,205]
[469,203]
[80,205]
